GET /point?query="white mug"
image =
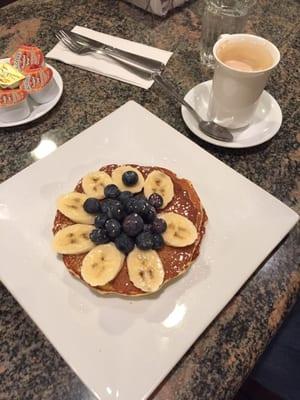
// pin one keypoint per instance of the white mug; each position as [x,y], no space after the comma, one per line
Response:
[239,82]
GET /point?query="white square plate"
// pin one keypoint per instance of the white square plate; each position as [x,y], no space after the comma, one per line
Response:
[122,348]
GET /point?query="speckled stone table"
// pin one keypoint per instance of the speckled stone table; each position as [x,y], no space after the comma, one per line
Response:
[216,365]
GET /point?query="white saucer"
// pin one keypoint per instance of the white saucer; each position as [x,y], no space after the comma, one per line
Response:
[266,121]
[37,110]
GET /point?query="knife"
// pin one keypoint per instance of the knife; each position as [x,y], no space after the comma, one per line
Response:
[141,61]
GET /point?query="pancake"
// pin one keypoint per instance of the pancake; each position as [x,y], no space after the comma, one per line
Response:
[175,260]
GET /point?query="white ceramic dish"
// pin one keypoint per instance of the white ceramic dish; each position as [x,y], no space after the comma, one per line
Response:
[38,110]
[266,121]
[122,348]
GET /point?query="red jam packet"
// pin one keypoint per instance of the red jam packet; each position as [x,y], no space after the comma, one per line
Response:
[10,97]
[27,56]
[36,79]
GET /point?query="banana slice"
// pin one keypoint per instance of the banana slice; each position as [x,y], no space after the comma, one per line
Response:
[180,231]
[94,183]
[102,264]
[117,179]
[71,205]
[73,239]
[159,182]
[145,269]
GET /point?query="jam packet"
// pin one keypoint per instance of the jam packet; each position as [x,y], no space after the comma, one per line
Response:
[27,56]
[13,105]
[39,83]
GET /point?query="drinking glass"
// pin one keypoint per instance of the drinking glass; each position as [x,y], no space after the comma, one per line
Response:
[219,17]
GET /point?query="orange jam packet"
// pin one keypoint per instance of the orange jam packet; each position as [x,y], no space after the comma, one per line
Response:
[36,79]
[27,56]
[10,97]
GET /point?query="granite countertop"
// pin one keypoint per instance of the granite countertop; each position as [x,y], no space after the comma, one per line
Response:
[219,361]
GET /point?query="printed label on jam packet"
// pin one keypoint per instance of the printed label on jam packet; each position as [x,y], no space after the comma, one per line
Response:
[27,56]
[36,79]
[10,97]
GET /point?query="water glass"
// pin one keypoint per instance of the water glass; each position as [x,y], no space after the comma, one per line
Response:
[219,17]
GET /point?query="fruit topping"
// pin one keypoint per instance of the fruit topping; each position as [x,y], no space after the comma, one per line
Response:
[145,270]
[133,224]
[117,177]
[158,241]
[113,228]
[147,228]
[129,205]
[73,239]
[124,243]
[180,231]
[99,236]
[130,178]
[92,205]
[94,183]
[102,264]
[111,191]
[144,241]
[140,205]
[150,215]
[160,183]
[125,196]
[156,200]
[100,220]
[71,205]
[159,225]
[116,210]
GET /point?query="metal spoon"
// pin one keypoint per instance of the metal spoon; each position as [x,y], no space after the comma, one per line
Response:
[210,128]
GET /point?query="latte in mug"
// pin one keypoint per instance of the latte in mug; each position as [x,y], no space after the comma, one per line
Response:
[243,65]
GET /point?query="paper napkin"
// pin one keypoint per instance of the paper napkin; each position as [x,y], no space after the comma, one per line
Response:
[103,65]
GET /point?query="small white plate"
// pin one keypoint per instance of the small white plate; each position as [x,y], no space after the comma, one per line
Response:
[37,110]
[266,121]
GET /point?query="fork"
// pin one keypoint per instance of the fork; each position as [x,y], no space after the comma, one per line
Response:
[210,128]
[83,49]
[123,55]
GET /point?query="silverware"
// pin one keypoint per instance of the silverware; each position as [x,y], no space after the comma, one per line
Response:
[208,127]
[123,55]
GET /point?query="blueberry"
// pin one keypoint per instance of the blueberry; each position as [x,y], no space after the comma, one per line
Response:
[156,200]
[116,210]
[144,241]
[99,236]
[140,196]
[133,224]
[92,205]
[150,215]
[158,242]
[147,228]
[130,205]
[130,178]
[141,206]
[111,191]
[105,205]
[113,209]
[100,220]
[113,228]
[124,243]
[124,196]
[159,225]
